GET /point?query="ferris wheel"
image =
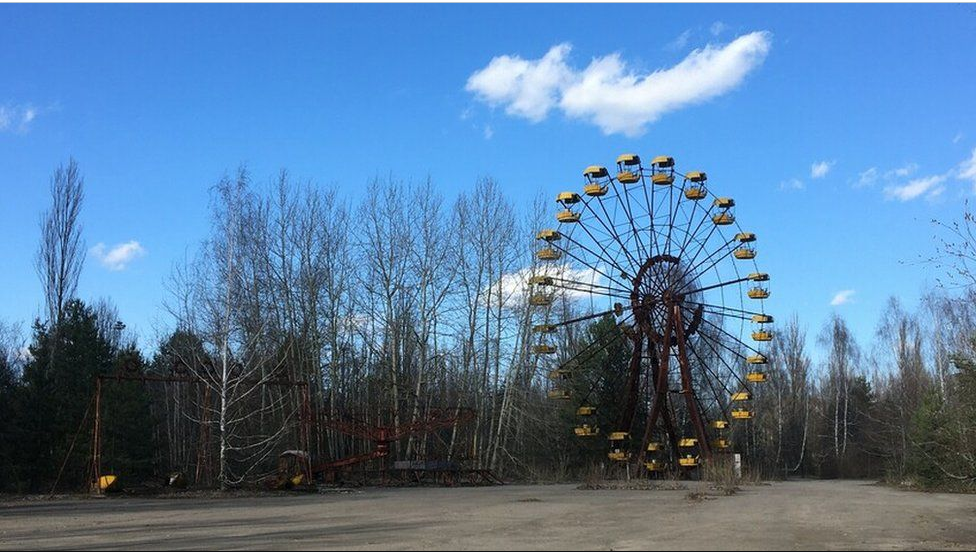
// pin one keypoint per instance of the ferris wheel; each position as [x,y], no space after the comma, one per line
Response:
[656,252]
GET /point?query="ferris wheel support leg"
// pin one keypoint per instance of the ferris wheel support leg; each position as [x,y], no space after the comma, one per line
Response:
[626,421]
[667,419]
[686,387]
[659,405]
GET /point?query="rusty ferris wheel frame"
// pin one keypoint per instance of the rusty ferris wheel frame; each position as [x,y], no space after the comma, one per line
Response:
[679,276]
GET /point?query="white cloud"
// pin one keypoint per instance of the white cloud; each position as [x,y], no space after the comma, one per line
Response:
[820,170]
[717,28]
[515,286]
[680,41]
[868,177]
[902,172]
[118,257]
[17,118]
[929,186]
[842,297]
[957,138]
[872,176]
[607,92]
[527,88]
[967,169]
[792,184]
[489,132]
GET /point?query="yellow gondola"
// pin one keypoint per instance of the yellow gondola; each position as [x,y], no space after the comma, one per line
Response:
[723,219]
[655,466]
[568,198]
[722,444]
[618,436]
[544,328]
[756,359]
[540,280]
[762,319]
[559,395]
[548,254]
[540,300]
[724,202]
[762,335]
[745,237]
[618,456]
[662,179]
[688,442]
[628,160]
[654,446]
[741,396]
[543,349]
[663,162]
[560,375]
[586,411]
[688,461]
[696,193]
[756,377]
[744,253]
[758,293]
[548,235]
[594,172]
[719,424]
[628,177]
[568,216]
[759,277]
[742,414]
[697,176]
[595,190]
[586,431]
[108,483]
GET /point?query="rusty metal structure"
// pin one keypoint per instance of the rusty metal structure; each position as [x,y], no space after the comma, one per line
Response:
[382,436]
[653,249]
[104,482]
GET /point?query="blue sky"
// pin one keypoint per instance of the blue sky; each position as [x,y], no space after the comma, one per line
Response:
[157,102]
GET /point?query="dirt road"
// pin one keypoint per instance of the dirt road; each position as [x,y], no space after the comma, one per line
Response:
[791,515]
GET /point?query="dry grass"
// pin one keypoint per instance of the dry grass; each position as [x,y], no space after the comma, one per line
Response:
[721,476]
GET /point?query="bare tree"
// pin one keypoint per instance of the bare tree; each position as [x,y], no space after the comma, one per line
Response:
[239,359]
[61,254]
[843,356]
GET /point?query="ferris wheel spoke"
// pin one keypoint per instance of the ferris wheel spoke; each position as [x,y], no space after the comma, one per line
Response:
[694,269]
[588,290]
[734,338]
[588,317]
[711,342]
[612,233]
[586,286]
[672,211]
[716,286]
[689,234]
[705,364]
[709,379]
[690,238]
[606,257]
[584,263]
[733,310]
[602,375]
[630,215]
[701,245]
[649,200]
[593,348]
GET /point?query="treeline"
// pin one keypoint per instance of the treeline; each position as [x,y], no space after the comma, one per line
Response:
[301,307]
